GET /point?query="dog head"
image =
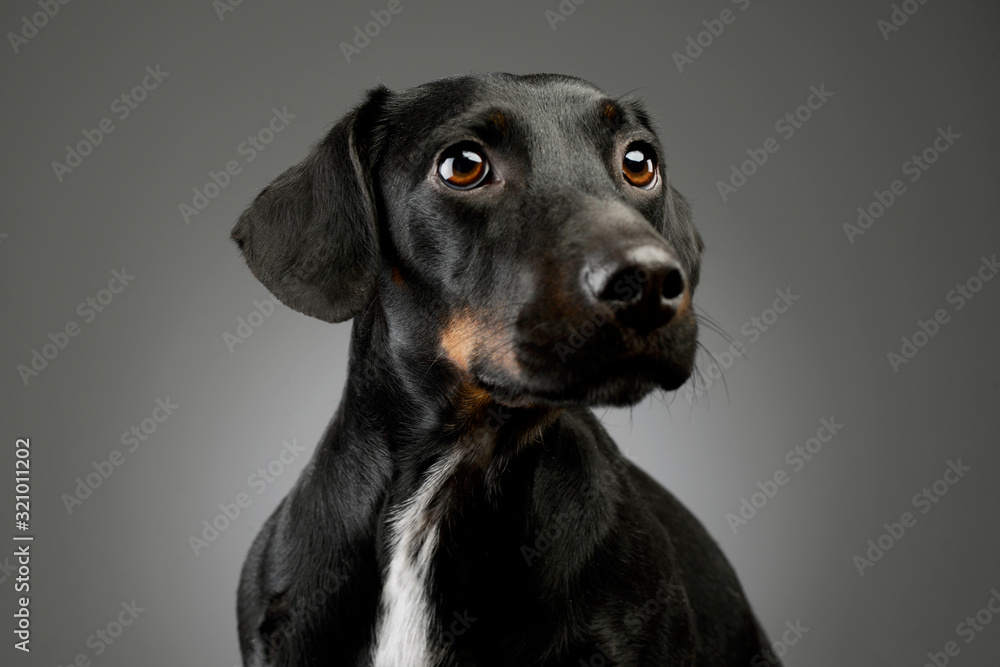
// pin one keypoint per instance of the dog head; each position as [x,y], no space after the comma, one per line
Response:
[523,227]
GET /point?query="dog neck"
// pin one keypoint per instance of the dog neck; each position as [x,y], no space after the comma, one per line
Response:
[425,407]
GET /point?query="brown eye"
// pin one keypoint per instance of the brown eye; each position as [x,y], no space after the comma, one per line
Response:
[639,166]
[463,167]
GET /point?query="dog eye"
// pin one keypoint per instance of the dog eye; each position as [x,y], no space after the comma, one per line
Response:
[639,165]
[463,167]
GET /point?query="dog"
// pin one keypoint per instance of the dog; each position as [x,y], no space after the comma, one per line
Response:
[512,254]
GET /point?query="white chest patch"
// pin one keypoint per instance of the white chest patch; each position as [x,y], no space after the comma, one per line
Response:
[403,630]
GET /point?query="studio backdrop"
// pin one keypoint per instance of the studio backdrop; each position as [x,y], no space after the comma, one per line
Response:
[839,438]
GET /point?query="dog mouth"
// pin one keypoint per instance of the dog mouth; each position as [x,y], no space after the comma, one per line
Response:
[617,367]
[620,392]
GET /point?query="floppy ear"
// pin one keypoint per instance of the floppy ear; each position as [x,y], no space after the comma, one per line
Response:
[683,235]
[311,235]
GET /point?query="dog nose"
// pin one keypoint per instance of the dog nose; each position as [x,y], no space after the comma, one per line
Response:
[644,286]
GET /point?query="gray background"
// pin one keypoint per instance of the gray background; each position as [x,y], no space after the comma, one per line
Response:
[163,336]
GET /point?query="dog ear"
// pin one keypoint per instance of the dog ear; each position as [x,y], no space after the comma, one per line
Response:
[681,233]
[311,236]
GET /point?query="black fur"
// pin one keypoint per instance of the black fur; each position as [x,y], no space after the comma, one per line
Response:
[475,335]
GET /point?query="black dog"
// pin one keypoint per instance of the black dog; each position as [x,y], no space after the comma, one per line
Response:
[511,252]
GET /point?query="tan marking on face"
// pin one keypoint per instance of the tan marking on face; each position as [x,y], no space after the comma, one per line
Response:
[610,111]
[472,401]
[481,418]
[467,337]
[685,304]
[397,276]
[498,120]
[459,339]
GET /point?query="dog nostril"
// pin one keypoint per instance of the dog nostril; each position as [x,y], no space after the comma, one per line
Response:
[673,284]
[625,285]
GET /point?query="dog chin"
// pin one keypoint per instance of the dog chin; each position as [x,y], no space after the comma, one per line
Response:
[620,391]
[626,391]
